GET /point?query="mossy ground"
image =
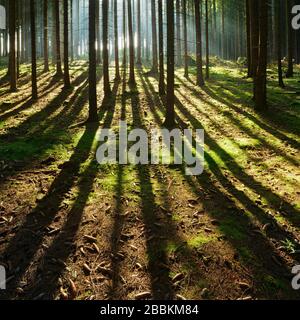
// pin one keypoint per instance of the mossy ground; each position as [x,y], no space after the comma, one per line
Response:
[231,233]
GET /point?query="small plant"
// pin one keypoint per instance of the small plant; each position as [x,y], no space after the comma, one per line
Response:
[289,246]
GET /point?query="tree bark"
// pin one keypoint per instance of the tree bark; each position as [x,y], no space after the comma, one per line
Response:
[131,45]
[186,63]
[260,79]
[117,63]
[200,80]
[67,83]
[12,45]
[46,55]
[161,49]
[93,116]
[139,37]
[57,36]
[170,111]
[107,89]
[154,39]
[33,51]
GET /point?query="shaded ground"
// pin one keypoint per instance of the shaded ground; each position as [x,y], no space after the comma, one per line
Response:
[72,229]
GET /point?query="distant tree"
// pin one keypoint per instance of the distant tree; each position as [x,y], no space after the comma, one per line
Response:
[278,40]
[186,61]
[59,72]
[200,80]
[33,51]
[161,49]
[45,19]
[139,37]
[170,112]
[107,89]
[124,34]
[290,39]
[98,52]
[207,38]
[260,79]
[66,46]
[93,116]
[154,39]
[178,34]
[131,45]
[117,63]
[254,31]
[12,46]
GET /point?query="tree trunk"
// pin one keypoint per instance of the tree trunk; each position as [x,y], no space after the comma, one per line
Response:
[170,112]
[46,55]
[200,80]
[107,89]
[33,51]
[290,39]
[178,35]
[93,116]
[186,62]
[248,31]
[139,37]
[57,36]
[260,79]
[117,63]
[154,38]
[161,49]
[207,39]
[278,40]
[12,45]
[66,46]
[124,35]
[131,45]
[254,23]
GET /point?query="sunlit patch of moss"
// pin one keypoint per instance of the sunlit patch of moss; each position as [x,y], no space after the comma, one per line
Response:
[200,240]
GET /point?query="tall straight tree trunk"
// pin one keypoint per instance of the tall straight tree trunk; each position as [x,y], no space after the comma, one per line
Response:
[139,36]
[223,30]
[18,37]
[161,49]
[131,45]
[260,79]
[207,39]
[178,35]
[278,31]
[290,39]
[57,36]
[154,39]
[71,32]
[12,46]
[117,63]
[124,35]
[66,46]
[186,61]
[254,22]
[248,34]
[33,51]
[46,55]
[93,116]
[200,80]
[170,111]
[97,13]
[107,89]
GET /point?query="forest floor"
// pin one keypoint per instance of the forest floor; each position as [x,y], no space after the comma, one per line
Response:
[73,229]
